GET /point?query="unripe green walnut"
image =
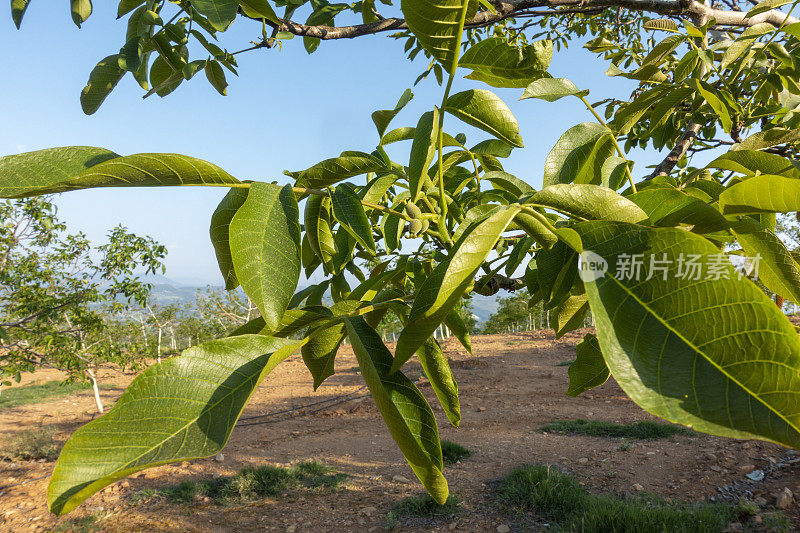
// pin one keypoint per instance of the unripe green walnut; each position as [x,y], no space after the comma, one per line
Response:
[414,227]
[413,211]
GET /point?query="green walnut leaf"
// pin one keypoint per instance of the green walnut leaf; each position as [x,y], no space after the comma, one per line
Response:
[18,8]
[23,173]
[578,156]
[443,383]
[347,209]
[486,111]
[589,370]
[591,202]
[423,150]
[181,409]
[671,207]
[317,219]
[265,245]
[570,314]
[750,162]
[552,89]
[438,26]
[80,167]
[761,194]
[500,64]
[220,13]
[403,407]
[220,234]
[700,348]
[334,170]
[777,270]
[383,117]
[102,80]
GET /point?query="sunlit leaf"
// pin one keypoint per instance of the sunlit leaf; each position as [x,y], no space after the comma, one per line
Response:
[265,245]
[578,156]
[761,194]
[750,162]
[404,409]
[219,230]
[18,8]
[552,89]
[777,270]
[349,212]
[500,64]
[220,13]
[590,202]
[336,169]
[79,167]
[713,354]
[102,80]
[423,150]
[181,409]
[383,117]
[438,25]
[486,111]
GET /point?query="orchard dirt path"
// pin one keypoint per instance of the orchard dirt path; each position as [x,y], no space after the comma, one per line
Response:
[508,389]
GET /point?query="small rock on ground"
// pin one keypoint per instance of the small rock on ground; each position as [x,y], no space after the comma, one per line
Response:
[784,499]
[503,528]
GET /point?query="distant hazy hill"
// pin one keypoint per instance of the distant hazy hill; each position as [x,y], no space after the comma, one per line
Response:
[483,306]
[167,291]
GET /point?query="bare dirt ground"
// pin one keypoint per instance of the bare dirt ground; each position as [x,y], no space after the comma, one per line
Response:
[509,389]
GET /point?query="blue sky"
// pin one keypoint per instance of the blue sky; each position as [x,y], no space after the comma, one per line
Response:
[287,110]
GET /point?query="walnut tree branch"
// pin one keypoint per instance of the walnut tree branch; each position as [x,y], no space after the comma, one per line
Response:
[506,9]
[680,149]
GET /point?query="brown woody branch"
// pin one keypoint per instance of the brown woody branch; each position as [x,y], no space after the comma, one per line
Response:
[498,282]
[680,149]
[517,8]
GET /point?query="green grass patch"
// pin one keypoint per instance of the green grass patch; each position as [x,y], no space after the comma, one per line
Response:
[777,522]
[40,392]
[30,445]
[453,453]
[248,484]
[422,507]
[565,363]
[645,430]
[557,498]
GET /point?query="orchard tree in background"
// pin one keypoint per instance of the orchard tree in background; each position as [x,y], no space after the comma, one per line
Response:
[686,335]
[58,293]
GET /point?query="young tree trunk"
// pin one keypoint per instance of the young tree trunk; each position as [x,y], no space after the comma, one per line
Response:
[96,390]
[158,353]
[144,331]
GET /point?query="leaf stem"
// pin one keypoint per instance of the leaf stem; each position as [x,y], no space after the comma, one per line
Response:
[440,146]
[540,217]
[320,192]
